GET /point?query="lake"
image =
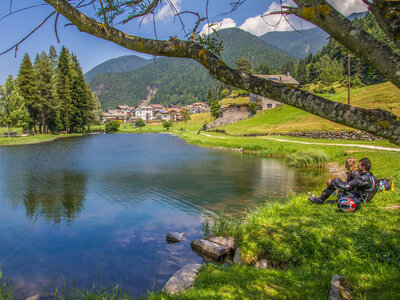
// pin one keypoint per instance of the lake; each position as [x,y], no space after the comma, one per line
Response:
[98,208]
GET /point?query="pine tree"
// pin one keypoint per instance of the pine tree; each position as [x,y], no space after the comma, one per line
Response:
[81,97]
[28,88]
[13,111]
[46,105]
[53,57]
[210,96]
[63,87]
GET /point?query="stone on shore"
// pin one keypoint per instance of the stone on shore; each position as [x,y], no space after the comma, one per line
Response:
[182,279]
[210,249]
[262,264]
[334,293]
[236,258]
[174,237]
[42,297]
[225,241]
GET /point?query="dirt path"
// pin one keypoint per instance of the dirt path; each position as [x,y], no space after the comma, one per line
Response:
[325,144]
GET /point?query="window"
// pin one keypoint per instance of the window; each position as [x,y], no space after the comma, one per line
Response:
[269,105]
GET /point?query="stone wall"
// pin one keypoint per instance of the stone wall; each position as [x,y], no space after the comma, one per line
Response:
[231,114]
[356,135]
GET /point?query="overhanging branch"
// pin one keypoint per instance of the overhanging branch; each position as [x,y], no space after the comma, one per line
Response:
[378,122]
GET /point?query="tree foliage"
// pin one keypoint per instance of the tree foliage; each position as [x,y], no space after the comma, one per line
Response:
[140,123]
[215,108]
[13,111]
[112,126]
[185,116]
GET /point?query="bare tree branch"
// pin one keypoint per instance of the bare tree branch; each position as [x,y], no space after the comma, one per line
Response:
[22,9]
[32,32]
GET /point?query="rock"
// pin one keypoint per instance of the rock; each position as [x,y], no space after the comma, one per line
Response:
[334,293]
[236,258]
[174,237]
[262,264]
[182,279]
[43,297]
[210,249]
[225,241]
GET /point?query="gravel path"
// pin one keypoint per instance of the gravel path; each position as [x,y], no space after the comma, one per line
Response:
[326,144]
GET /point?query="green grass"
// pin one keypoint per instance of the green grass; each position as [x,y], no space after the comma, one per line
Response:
[33,139]
[289,119]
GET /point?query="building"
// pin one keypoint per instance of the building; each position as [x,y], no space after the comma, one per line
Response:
[266,103]
[174,113]
[162,115]
[116,115]
[196,108]
[145,112]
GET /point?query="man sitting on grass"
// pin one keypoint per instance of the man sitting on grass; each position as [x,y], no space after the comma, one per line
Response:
[360,190]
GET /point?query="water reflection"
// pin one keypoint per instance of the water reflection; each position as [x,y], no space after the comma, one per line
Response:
[56,196]
[101,206]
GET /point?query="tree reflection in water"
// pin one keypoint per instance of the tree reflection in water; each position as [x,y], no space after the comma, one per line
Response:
[56,197]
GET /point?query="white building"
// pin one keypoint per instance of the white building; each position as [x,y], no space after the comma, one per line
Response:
[144,112]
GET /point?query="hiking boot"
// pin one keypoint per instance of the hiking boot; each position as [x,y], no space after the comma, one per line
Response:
[316,200]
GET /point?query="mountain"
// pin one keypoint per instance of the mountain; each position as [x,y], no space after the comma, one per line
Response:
[183,81]
[298,43]
[120,64]
[301,43]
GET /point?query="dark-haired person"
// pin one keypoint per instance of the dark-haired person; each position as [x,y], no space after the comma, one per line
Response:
[360,190]
[352,172]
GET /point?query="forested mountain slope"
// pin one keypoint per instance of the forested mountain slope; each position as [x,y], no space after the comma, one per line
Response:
[183,81]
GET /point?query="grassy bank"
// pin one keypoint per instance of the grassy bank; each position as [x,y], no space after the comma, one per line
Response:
[306,244]
[34,139]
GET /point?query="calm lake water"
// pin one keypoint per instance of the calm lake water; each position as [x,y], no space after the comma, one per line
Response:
[99,207]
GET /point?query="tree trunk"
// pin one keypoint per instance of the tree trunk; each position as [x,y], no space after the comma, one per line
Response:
[9,131]
[43,123]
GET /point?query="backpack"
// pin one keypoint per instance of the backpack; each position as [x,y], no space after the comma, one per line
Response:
[386,184]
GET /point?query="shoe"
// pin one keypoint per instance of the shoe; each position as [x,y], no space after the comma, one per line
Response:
[311,195]
[316,200]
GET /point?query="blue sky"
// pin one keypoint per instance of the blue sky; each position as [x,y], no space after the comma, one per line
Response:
[92,51]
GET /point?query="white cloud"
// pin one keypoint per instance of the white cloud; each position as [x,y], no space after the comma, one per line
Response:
[166,12]
[225,23]
[264,23]
[349,6]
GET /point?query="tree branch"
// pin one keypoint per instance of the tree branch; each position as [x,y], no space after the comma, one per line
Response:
[387,15]
[375,121]
[354,38]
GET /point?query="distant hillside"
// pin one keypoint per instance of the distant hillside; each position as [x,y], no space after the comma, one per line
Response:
[301,43]
[298,43]
[183,81]
[120,64]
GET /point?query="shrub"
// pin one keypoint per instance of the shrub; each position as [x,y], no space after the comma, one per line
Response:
[140,123]
[167,125]
[112,126]
[253,108]
[308,158]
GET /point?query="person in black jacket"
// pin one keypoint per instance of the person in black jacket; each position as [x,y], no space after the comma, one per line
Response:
[352,172]
[359,190]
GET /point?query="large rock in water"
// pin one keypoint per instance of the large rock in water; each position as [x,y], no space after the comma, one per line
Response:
[210,249]
[225,241]
[174,237]
[182,279]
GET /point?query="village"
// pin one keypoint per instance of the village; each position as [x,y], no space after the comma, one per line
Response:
[157,113]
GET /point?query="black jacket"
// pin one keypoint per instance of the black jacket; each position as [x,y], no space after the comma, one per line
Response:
[364,186]
[352,175]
